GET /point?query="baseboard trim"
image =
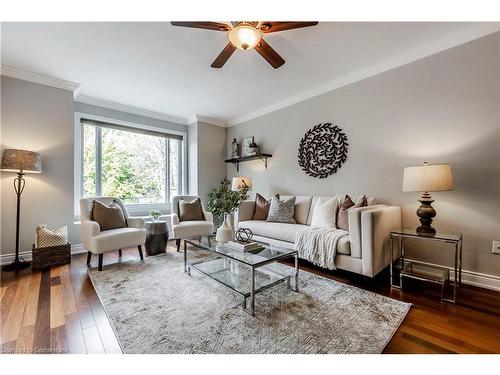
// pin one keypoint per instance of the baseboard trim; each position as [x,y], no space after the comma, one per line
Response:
[27,255]
[480,280]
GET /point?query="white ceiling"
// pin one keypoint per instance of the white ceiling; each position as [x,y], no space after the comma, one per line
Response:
[166,69]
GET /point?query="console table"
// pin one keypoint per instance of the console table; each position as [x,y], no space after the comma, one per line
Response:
[419,271]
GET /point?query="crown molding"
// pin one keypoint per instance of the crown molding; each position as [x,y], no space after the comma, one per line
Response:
[211,121]
[98,102]
[397,61]
[10,71]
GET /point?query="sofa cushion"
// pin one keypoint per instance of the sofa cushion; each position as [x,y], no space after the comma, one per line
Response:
[281,211]
[279,231]
[342,214]
[302,207]
[262,207]
[324,214]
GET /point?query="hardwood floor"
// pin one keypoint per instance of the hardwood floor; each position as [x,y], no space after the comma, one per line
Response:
[57,311]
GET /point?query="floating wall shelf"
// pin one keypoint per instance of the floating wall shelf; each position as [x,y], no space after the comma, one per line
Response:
[237,161]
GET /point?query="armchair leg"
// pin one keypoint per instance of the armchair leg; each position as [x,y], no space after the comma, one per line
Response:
[178,244]
[209,242]
[120,252]
[139,247]
[89,257]
[99,267]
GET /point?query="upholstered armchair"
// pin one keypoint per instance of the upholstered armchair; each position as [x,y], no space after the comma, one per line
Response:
[189,229]
[99,242]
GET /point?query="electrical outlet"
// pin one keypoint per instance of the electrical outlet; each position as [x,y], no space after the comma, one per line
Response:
[495,249]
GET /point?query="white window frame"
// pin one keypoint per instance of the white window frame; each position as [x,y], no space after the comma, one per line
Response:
[132,209]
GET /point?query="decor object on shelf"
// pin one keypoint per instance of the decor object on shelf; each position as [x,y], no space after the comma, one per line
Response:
[235,149]
[322,150]
[244,234]
[156,237]
[426,178]
[155,215]
[245,36]
[20,162]
[249,147]
[242,183]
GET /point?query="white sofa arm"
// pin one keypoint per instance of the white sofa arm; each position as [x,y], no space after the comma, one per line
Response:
[175,219]
[376,226]
[135,222]
[89,230]
[208,216]
[354,220]
[244,212]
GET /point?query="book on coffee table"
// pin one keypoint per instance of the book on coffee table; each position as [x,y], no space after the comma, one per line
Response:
[244,246]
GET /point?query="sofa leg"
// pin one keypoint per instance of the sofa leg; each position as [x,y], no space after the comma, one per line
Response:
[178,244]
[139,248]
[99,267]
[120,252]
[89,257]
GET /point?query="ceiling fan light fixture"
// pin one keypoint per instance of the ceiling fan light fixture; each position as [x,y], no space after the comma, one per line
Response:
[244,36]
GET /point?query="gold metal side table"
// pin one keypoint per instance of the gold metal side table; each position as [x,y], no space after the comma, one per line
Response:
[426,272]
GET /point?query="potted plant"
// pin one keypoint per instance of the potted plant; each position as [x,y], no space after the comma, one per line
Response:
[154,214]
[222,202]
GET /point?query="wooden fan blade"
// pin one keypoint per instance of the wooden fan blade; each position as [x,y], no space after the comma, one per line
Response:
[203,25]
[268,53]
[272,27]
[223,56]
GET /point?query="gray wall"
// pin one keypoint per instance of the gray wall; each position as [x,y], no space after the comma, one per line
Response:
[37,118]
[441,109]
[207,151]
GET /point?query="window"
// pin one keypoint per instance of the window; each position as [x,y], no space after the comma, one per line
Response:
[141,167]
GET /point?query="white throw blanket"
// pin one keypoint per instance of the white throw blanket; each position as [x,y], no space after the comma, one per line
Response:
[319,245]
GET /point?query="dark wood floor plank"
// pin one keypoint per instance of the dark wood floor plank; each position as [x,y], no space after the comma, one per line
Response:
[41,340]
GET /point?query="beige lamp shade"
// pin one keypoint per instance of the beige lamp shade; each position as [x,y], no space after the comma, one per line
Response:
[239,183]
[21,161]
[428,178]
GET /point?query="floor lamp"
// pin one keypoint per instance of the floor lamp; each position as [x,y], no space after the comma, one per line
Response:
[20,162]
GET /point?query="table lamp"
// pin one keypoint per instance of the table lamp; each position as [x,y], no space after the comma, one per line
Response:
[20,162]
[242,183]
[426,178]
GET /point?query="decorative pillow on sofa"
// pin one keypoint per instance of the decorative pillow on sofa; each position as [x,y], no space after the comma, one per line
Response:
[324,214]
[342,214]
[282,211]
[108,216]
[262,207]
[190,211]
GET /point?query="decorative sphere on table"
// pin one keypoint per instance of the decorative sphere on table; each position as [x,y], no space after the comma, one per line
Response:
[244,235]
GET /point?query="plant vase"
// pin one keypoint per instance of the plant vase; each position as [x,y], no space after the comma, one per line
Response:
[225,232]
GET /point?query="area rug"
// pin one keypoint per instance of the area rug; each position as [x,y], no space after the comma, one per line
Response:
[154,307]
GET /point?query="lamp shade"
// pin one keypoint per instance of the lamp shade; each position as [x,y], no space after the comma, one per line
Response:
[428,178]
[21,161]
[240,183]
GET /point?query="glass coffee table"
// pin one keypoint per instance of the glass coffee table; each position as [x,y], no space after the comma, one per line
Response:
[244,272]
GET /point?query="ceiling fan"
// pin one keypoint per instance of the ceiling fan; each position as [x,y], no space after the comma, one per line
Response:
[247,35]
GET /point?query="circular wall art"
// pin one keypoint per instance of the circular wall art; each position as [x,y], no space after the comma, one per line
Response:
[322,150]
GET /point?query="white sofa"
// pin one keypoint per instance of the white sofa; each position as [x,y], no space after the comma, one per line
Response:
[366,250]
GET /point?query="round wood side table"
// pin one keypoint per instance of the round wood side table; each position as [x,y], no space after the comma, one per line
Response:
[156,237]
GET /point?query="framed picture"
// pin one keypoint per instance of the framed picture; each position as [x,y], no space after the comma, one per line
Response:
[245,147]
